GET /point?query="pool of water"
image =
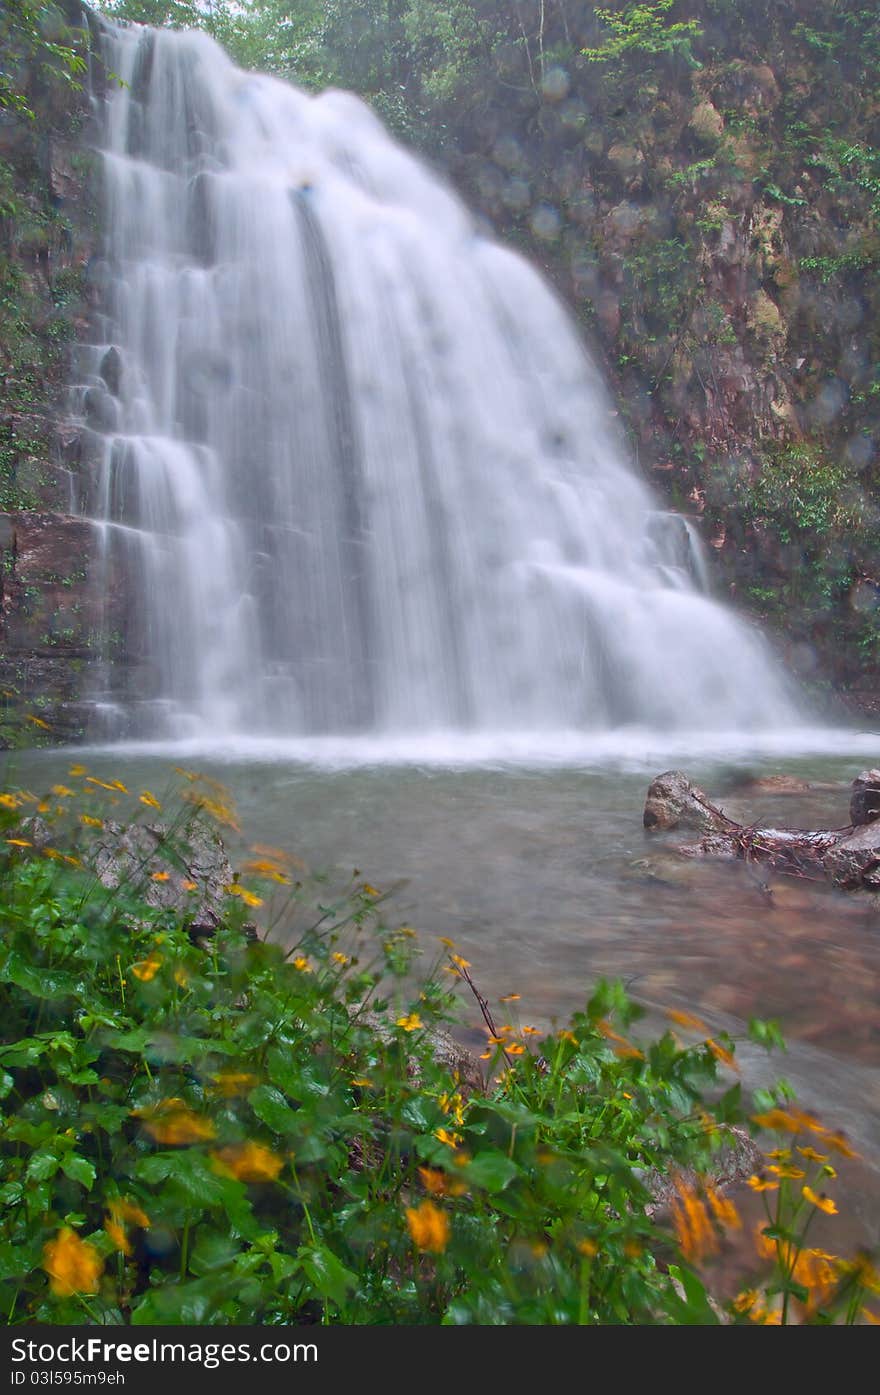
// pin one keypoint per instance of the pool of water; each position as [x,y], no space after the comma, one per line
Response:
[542,874]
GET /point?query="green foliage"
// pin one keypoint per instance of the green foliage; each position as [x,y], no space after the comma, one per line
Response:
[258,1128]
[35,39]
[637,31]
[802,491]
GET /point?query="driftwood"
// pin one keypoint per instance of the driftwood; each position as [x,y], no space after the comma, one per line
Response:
[847,857]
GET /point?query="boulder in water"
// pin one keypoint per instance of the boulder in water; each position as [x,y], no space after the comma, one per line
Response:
[855,860]
[864,804]
[673,802]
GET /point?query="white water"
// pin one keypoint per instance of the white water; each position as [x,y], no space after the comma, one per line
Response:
[361,473]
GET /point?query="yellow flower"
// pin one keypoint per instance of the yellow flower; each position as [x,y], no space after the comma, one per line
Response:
[219,809]
[459,962]
[63,792]
[370,890]
[786,1170]
[746,1300]
[429,1227]
[267,867]
[9,801]
[302,963]
[781,1154]
[73,1265]
[824,1203]
[531,1032]
[434,1180]
[723,1208]
[342,959]
[588,1248]
[865,1273]
[121,1209]
[248,1162]
[693,1229]
[839,1142]
[93,780]
[870,1317]
[160,876]
[412,1023]
[150,800]
[363,1082]
[189,885]
[761,1184]
[686,1019]
[248,897]
[118,1236]
[811,1155]
[170,1121]
[721,1053]
[234,1082]
[181,977]
[778,1119]
[90,822]
[19,843]
[38,722]
[78,770]
[148,968]
[453,1105]
[439,1183]
[510,998]
[514,1048]
[452,1140]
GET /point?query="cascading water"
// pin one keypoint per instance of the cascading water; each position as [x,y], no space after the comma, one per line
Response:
[356,465]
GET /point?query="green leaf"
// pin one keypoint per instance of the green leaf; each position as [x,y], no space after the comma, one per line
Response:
[39,981]
[42,1166]
[270,1105]
[329,1278]
[16,1261]
[284,1070]
[79,1170]
[492,1170]
[728,1109]
[192,1174]
[695,1310]
[6,1084]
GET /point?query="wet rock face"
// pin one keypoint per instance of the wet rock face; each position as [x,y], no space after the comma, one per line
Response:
[673,802]
[50,614]
[125,855]
[864,804]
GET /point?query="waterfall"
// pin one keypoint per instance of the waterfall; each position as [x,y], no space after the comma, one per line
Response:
[350,453]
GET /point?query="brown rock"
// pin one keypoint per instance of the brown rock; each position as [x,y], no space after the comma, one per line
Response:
[864,804]
[673,802]
[855,860]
